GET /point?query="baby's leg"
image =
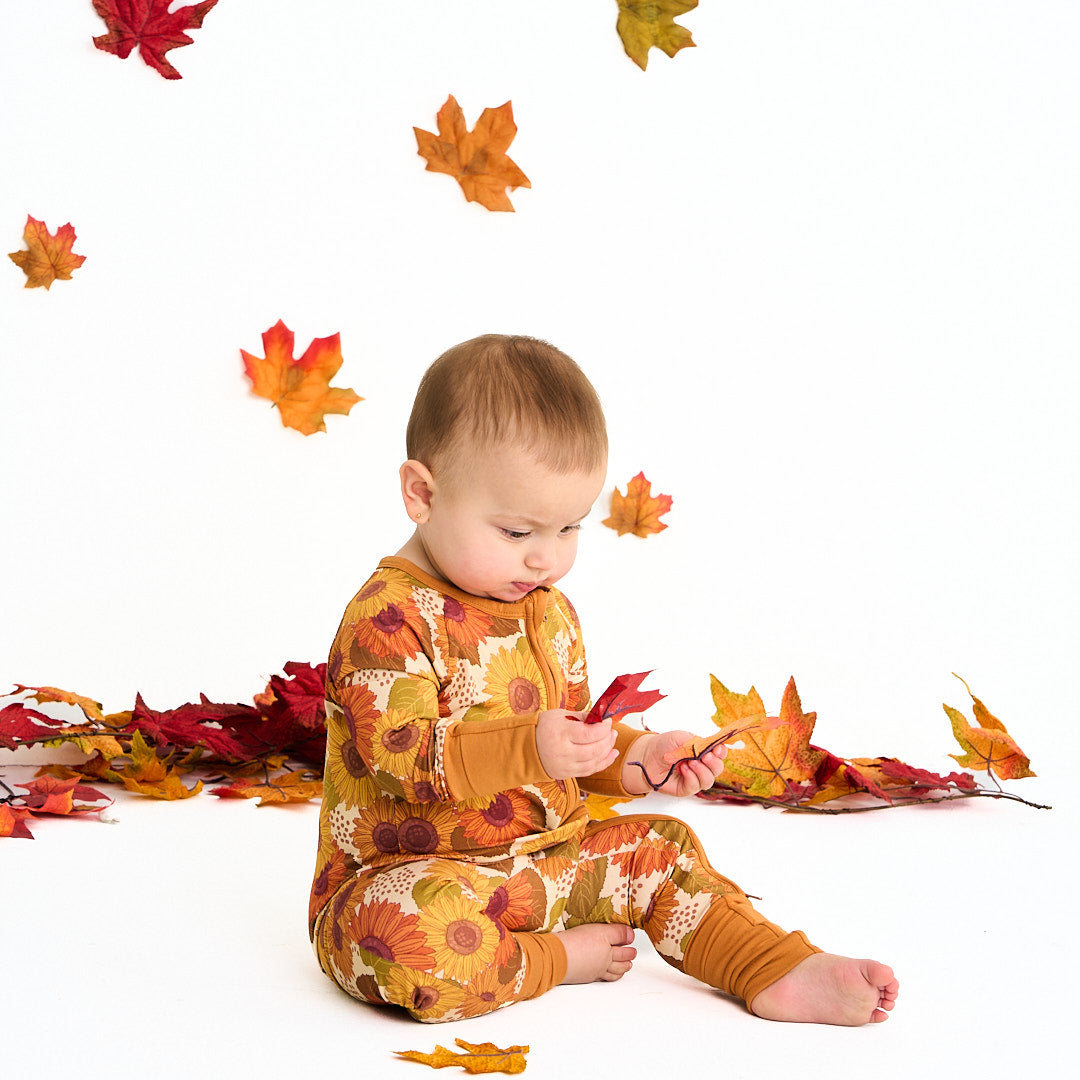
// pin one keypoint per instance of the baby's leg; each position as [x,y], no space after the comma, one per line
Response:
[433,937]
[704,924]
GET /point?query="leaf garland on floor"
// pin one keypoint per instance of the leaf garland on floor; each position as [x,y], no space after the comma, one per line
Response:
[273,751]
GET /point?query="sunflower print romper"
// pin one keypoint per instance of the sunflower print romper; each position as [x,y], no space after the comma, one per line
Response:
[446,854]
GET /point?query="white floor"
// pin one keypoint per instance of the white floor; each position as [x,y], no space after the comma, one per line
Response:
[172,943]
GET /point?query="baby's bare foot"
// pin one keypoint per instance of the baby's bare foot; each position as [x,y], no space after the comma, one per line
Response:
[828,989]
[597,952]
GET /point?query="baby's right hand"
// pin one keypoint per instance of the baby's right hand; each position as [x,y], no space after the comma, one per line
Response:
[569,748]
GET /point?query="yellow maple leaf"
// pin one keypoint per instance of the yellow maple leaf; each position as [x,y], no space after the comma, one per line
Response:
[478,1057]
[148,774]
[638,511]
[301,388]
[292,787]
[987,746]
[601,807]
[647,24]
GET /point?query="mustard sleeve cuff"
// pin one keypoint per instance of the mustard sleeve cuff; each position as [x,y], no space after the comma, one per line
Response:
[609,781]
[484,758]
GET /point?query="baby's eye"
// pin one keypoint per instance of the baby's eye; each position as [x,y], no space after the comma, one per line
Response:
[514,534]
[568,529]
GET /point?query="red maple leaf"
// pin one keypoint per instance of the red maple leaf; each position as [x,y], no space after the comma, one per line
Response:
[47,795]
[202,725]
[149,25]
[19,724]
[623,696]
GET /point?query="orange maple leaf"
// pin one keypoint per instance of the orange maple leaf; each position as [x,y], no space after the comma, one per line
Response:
[478,1057]
[776,756]
[301,388]
[48,256]
[149,774]
[988,746]
[476,159]
[638,511]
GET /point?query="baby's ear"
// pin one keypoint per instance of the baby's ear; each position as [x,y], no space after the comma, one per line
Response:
[416,488]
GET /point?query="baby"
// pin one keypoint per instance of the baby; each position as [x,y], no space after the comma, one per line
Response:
[458,869]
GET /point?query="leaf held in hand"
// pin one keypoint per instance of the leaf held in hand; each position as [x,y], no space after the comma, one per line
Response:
[476,159]
[48,256]
[149,26]
[478,1057]
[622,697]
[638,511]
[647,24]
[988,746]
[301,388]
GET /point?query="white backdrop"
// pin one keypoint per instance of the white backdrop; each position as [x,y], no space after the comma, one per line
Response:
[822,269]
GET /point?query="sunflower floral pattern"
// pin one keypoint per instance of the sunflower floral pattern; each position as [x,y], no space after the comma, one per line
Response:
[441,838]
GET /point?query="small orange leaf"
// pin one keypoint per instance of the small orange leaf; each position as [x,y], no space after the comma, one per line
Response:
[638,511]
[478,1057]
[149,774]
[299,388]
[48,256]
[476,159]
[292,787]
[988,746]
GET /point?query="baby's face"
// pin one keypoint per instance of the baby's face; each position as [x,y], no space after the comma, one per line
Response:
[507,523]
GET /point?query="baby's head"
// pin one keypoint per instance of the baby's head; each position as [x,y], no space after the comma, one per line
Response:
[507,452]
[499,390]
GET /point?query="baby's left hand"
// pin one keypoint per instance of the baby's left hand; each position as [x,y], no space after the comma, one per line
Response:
[658,752]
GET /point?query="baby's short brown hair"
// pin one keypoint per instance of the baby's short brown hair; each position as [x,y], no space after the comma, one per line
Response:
[500,388]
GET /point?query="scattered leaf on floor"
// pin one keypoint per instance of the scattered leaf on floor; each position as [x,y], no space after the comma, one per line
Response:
[478,1057]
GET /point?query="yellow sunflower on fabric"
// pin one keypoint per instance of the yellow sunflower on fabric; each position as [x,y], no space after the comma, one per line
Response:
[428,997]
[513,684]
[473,883]
[485,992]
[385,587]
[348,775]
[396,741]
[425,828]
[464,941]
[375,835]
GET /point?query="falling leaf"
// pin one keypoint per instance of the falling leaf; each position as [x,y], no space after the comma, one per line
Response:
[638,511]
[149,25]
[989,746]
[292,787]
[301,388]
[647,24]
[48,256]
[475,159]
[478,1058]
[622,697]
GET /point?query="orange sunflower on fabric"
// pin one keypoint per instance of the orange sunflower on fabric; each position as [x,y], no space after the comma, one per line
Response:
[380,928]
[498,820]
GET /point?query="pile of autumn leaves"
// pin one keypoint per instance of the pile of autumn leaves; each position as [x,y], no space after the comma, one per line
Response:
[273,750]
